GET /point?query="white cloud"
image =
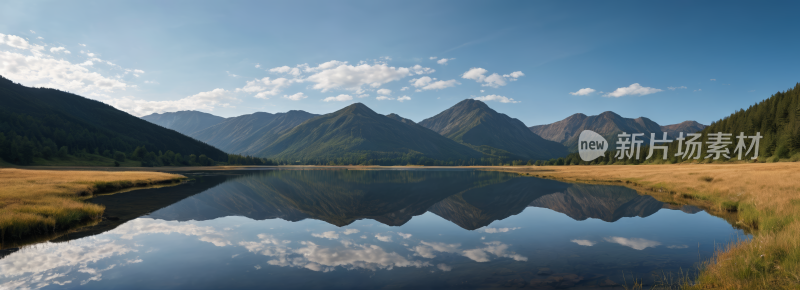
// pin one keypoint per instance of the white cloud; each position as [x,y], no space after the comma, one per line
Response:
[340,75]
[698,90]
[151,82]
[633,243]
[38,70]
[432,58]
[499,230]
[331,235]
[82,44]
[405,236]
[201,101]
[295,71]
[339,98]
[444,267]
[583,92]
[482,91]
[231,75]
[296,97]
[258,65]
[384,92]
[634,89]
[494,80]
[34,32]
[428,83]
[40,38]
[444,61]
[59,49]
[15,41]
[586,243]
[403,98]
[418,69]
[384,98]
[676,88]
[404,89]
[265,87]
[497,98]
[382,238]
[350,231]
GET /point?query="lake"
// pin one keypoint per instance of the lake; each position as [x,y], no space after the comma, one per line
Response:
[368,229]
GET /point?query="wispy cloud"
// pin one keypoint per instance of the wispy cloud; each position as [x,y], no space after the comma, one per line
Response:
[634,89]
[583,92]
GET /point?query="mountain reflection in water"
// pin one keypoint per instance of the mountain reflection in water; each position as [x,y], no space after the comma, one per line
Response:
[470,199]
[366,229]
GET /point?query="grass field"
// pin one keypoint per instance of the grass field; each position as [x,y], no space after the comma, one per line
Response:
[39,202]
[762,198]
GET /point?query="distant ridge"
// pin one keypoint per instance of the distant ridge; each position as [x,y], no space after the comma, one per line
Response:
[185,122]
[473,123]
[673,131]
[608,124]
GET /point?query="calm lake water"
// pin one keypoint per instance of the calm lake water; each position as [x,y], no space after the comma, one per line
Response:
[354,229]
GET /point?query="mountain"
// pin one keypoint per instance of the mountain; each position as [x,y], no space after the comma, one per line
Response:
[401,119]
[250,133]
[604,202]
[478,207]
[673,131]
[356,133]
[474,124]
[338,197]
[185,122]
[608,124]
[36,122]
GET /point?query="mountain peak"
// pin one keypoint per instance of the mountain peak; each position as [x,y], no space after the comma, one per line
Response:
[357,108]
[610,114]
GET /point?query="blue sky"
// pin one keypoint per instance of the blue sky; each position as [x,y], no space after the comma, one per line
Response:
[669,61]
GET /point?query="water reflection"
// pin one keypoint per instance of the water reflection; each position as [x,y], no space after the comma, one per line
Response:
[338,229]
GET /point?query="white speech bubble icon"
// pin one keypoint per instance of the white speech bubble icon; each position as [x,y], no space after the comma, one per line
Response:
[591,145]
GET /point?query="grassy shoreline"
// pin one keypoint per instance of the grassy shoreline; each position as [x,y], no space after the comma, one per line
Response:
[763,199]
[42,202]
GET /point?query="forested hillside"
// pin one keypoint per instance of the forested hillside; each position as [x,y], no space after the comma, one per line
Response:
[48,124]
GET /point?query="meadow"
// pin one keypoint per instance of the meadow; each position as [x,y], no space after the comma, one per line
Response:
[41,202]
[762,198]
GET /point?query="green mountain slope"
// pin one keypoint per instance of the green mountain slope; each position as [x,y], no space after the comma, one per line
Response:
[473,123]
[185,122]
[248,134]
[358,133]
[36,122]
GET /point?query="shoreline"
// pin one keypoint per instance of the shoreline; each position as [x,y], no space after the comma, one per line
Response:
[37,205]
[758,198]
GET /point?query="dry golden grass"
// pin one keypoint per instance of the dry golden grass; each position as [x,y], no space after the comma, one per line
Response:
[36,202]
[763,198]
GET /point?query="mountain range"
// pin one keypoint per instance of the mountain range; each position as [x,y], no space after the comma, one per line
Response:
[609,125]
[469,130]
[358,133]
[471,200]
